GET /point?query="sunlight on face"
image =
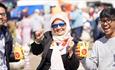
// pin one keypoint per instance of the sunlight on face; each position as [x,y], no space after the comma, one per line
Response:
[2,15]
[108,26]
[59,27]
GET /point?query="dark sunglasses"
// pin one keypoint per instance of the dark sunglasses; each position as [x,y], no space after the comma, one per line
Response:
[59,24]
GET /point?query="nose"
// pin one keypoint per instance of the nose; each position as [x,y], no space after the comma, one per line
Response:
[105,23]
[59,26]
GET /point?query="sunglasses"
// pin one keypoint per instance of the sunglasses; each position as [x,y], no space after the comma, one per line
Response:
[59,24]
[3,14]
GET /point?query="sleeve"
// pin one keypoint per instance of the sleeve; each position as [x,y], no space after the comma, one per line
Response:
[74,62]
[9,46]
[70,63]
[91,62]
[36,49]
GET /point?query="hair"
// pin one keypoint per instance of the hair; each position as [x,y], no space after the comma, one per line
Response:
[108,13]
[58,19]
[3,6]
[6,10]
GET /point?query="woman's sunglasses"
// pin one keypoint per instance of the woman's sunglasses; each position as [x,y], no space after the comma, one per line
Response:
[59,24]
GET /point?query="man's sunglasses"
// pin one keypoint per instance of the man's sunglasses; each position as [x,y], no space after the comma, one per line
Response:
[59,24]
[3,14]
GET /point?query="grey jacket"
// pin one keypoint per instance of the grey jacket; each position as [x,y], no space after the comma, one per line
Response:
[102,56]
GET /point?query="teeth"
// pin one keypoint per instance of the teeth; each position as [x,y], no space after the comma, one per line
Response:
[107,30]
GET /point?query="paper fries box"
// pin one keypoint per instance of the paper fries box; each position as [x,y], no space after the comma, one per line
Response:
[83,47]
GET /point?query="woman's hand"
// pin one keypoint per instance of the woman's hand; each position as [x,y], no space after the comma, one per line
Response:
[77,52]
[38,36]
[70,48]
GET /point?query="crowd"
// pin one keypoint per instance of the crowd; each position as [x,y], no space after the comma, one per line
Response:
[56,36]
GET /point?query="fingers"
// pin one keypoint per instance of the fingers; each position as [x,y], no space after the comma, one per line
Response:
[77,52]
[38,36]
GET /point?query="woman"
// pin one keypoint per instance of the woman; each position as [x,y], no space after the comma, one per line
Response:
[57,46]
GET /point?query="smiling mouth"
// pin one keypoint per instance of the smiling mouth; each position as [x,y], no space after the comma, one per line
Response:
[60,30]
[107,30]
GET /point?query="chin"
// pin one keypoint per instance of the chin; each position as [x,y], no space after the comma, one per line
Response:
[108,33]
[60,33]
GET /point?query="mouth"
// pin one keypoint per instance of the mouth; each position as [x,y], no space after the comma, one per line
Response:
[106,30]
[60,30]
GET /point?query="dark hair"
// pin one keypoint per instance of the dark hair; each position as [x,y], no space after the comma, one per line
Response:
[3,6]
[108,13]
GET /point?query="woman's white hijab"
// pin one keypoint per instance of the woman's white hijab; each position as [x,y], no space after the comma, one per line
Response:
[56,59]
[64,17]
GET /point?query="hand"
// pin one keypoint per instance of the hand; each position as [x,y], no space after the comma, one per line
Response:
[77,52]
[38,36]
[70,52]
[70,48]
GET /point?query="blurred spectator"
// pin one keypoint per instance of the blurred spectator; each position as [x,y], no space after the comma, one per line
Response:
[25,25]
[76,17]
[37,20]
[47,18]
[87,32]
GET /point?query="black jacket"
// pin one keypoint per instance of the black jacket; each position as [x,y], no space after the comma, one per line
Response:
[8,44]
[69,63]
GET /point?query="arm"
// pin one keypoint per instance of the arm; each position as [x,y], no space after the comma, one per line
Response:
[71,59]
[38,45]
[71,63]
[36,48]
[8,46]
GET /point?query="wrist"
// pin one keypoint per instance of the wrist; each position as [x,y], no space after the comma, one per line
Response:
[70,54]
[37,42]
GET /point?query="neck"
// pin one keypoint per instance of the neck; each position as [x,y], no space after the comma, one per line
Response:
[111,36]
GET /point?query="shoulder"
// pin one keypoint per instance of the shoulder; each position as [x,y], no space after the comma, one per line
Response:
[101,40]
[100,43]
[6,33]
[4,30]
[48,35]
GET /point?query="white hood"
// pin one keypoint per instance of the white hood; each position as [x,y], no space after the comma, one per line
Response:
[64,17]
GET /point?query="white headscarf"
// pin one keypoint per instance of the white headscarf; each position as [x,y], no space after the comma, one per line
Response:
[64,17]
[56,59]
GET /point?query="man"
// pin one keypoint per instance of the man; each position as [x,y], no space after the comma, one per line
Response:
[102,56]
[5,40]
